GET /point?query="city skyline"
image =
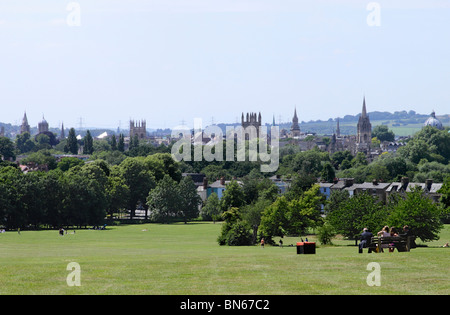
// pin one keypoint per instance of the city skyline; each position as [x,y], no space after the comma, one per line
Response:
[107,62]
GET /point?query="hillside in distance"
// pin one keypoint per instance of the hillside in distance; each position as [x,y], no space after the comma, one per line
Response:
[402,123]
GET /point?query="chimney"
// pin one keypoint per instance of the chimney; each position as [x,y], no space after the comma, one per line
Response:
[428,183]
[375,182]
[335,180]
[405,182]
[348,182]
[205,183]
[222,181]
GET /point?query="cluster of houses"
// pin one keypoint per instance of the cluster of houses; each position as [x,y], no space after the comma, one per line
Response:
[381,190]
[378,189]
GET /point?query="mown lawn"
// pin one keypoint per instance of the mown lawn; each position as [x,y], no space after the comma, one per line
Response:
[186,259]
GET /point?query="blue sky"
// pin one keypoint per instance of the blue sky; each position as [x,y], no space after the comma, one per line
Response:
[167,61]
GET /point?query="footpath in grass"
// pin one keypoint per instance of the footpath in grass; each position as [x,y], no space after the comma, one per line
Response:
[183,259]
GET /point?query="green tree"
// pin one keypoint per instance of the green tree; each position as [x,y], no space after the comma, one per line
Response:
[88,147]
[32,198]
[445,193]
[72,142]
[274,219]
[328,173]
[164,200]
[382,133]
[113,143]
[43,142]
[235,231]
[24,143]
[7,149]
[42,157]
[304,212]
[233,196]
[12,214]
[420,213]
[355,213]
[121,143]
[252,214]
[86,201]
[189,199]
[139,179]
[117,193]
[212,207]
[68,162]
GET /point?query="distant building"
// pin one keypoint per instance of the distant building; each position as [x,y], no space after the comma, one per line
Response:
[25,127]
[138,128]
[283,184]
[433,122]
[219,186]
[364,132]
[43,126]
[44,130]
[252,120]
[295,128]
[429,188]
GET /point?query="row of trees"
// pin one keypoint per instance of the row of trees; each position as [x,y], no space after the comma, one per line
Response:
[79,194]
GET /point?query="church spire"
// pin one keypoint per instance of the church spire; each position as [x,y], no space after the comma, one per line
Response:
[25,127]
[364,112]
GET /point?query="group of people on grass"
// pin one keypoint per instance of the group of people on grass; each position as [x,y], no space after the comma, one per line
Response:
[366,237]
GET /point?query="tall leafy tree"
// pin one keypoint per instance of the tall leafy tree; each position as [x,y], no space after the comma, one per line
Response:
[420,213]
[139,179]
[233,196]
[355,213]
[72,142]
[164,200]
[24,143]
[121,143]
[113,143]
[189,199]
[7,149]
[88,147]
[382,133]
[12,214]
[304,212]
[212,207]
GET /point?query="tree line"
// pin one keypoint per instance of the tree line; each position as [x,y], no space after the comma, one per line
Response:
[82,194]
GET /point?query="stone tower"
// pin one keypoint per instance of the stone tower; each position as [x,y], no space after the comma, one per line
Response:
[138,128]
[295,128]
[25,127]
[252,120]
[364,131]
[43,126]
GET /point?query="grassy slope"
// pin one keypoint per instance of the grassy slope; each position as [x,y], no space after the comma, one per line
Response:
[185,259]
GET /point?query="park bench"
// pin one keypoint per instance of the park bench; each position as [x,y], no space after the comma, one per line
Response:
[401,243]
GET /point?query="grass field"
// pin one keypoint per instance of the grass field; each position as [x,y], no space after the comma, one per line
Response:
[186,259]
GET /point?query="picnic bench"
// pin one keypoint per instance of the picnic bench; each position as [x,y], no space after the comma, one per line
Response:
[401,243]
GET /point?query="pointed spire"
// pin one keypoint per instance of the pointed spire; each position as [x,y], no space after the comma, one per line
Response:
[25,119]
[364,111]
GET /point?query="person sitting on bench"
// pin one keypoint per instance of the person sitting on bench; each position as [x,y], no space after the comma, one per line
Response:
[365,239]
